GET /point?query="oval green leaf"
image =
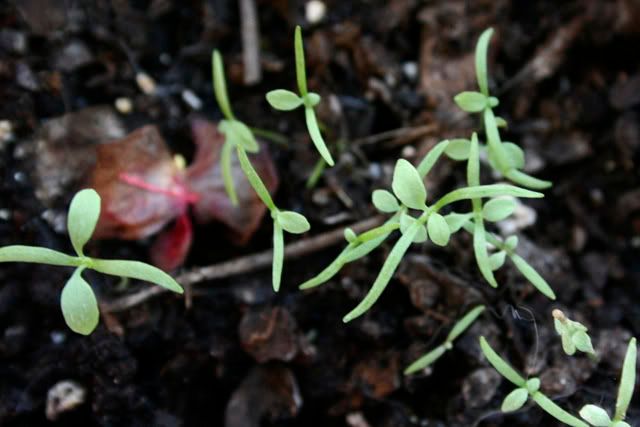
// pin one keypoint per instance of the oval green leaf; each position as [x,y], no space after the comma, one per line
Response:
[471,102]
[498,209]
[384,201]
[79,305]
[514,400]
[283,100]
[293,222]
[407,185]
[458,149]
[84,212]
[438,229]
[595,416]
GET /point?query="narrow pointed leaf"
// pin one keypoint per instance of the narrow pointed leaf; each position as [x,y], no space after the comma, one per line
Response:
[84,212]
[431,158]
[220,85]
[525,180]
[408,186]
[557,412]
[21,253]
[227,173]
[293,222]
[385,274]
[316,136]
[480,251]
[79,305]
[501,366]
[627,380]
[425,360]
[278,256]
[465,322]
[301,76]
[438,229]
[582,341]
[514,400]
[283,100]
[497,260]
[136,270]
[482,48]
[533,276]
[485,191]
[254,179]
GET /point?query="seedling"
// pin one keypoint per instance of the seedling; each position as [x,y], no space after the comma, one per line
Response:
[239,135]
[573,334]
[285,100]
[506,158]
[78,301]
[459,328]
[526,388]
[409,194]
[597,416]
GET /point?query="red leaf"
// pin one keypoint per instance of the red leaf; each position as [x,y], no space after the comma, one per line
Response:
[129,212]
[171,247]
[204,178]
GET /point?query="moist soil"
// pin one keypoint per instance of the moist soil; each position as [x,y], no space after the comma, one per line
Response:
[236,354]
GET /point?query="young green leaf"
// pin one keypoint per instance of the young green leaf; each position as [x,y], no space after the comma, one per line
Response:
[316,136]
[283,100]
[406,221]
[627,381]
[515,154]
[438,229]
[464,323]
[471,102]
[514,400]
[511,242]
[293,222]
[582,341]
[350,235]
[557,412]
[311,99]
[407,185]
[385,274]
[136,270]
[480,250]
[458,149]
[220,86]
[500,365]
[431,158]
[21,253]
[485,191]
[425,360]
[595,416]
[301,75]
[384,201]
[481,60]
[79,304]
[526,180]
[227,174]
[498,209]
[254,179]
[84,212]
[239,134]
[533,276]
[455,221]
[278,256]
[497,260]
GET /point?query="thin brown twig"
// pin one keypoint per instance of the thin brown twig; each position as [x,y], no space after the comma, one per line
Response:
[405,134]
[242,265]
[250,42]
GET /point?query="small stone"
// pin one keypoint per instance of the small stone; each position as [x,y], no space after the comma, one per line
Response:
[479,388]
[270,334]
[191,99]
[523,216]
[146,83]
[410,70]
[6,131]
[62,397]
[124,105]
[315,11]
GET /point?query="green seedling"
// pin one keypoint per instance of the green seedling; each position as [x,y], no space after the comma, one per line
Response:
[506,158]
[78,301]
[239,136]
[526,388]
[596,416]
[409,196]
[459,328]
[286,100]
[573,334]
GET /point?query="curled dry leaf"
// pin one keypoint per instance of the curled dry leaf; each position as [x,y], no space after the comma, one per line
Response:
[144,188]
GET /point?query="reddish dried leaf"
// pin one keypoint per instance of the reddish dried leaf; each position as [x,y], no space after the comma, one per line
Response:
[129,212]
[172,246]
[205,179]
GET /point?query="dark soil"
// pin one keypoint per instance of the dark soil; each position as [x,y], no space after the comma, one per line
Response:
[568,77]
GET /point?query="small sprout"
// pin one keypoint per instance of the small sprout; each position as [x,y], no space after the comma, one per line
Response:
[458,149]
[595,416]
[498,209]
[530,387]
[285,100]
[78,302]
[471,102]
[293,222]
[459,328]
[350,235]
[438,229]
[574,334]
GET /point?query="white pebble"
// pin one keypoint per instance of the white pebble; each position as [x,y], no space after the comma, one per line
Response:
[146,83]
[191,99]
[124,105]
[315,11]
[62,397]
